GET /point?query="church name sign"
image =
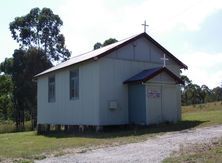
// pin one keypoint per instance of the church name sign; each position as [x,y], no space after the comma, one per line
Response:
[152,93]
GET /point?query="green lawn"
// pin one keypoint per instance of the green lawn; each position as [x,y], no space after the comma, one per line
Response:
[29,145]
[207,117]
[209,114]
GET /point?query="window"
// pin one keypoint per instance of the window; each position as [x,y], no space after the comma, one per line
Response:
[51,89]
[74,84]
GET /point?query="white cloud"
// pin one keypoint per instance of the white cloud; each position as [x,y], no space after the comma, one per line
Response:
[86,22]
[204,68]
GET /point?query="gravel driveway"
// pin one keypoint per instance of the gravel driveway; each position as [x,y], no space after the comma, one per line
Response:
[151,150]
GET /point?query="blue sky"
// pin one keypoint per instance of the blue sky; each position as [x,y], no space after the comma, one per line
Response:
[190,29]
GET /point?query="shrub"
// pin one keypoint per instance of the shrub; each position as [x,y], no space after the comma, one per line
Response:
[9,126]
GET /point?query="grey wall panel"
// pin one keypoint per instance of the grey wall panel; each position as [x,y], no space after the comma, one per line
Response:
[162,78]
[84,110]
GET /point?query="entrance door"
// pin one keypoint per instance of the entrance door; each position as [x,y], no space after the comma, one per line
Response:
[169,103]
[153,104]
[161,103]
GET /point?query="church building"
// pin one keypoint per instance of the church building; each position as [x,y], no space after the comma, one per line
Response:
[133,81]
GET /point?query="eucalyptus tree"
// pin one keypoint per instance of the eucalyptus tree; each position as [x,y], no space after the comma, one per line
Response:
[97,45]
[6,111]
[41,29]
[109,41]
[205,93]
[25,65]
[105,43]
[217,91]
[6,66]
[41,43]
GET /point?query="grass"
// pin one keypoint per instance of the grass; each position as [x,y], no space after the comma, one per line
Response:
[211,114]
[9,126]
[199,153]
[29,145]
[203,107]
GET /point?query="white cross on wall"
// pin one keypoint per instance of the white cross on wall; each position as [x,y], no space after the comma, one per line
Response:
[164,60]
[145,25]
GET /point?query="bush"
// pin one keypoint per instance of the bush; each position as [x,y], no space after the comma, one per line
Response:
[9,126]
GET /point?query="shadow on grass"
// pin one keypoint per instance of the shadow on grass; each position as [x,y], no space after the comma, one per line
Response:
[124,131]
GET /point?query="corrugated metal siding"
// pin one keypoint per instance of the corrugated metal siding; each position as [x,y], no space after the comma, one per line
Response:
[112,89]
[116,68]
[112,74]
[178,100]
[100,82]
[65,111]
[42,96]
[162,78]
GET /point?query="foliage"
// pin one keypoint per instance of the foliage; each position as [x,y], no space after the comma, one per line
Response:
[109,41]
[40,40]
[195,94]
[6,66]
[5,97]
[217,93]
[40,29]
[26,64]
[97,45]
[9,126]
[105,43]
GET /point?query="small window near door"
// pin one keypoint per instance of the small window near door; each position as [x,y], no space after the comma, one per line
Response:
[74,84]
[51,89]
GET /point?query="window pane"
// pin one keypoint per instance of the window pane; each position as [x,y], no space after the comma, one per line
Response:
[51,89]
[74,84]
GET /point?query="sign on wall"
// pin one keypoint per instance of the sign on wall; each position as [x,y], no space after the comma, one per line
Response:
[153,93]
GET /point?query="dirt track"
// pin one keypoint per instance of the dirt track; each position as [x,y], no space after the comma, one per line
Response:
[152,150]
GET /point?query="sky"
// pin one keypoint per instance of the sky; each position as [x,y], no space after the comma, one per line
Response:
[190,30]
